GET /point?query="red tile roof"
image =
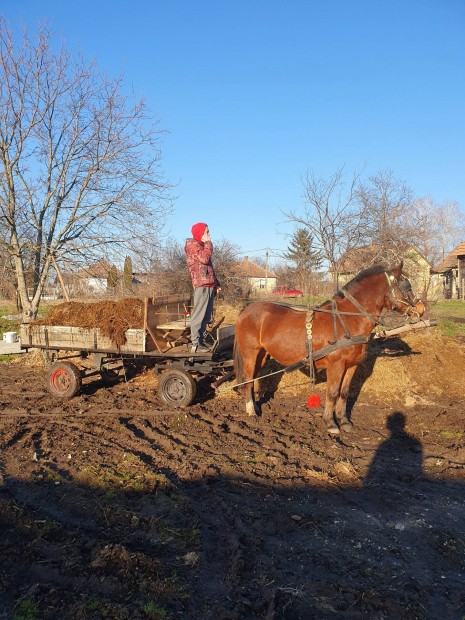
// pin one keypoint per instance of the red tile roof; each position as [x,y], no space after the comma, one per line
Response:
[450,262]
[247,269]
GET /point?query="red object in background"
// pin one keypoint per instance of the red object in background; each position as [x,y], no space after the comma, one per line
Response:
[313,401]
[286,291]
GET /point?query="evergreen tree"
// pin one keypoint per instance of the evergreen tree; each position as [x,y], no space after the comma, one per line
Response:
[127,273]
[300,251]
[112,279]
[306,259]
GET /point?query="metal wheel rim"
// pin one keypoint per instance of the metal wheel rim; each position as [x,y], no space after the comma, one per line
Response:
[60,380]
[175,389]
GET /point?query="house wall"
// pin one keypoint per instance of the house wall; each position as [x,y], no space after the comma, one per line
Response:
[419,274]
[262,285]
[461,278]
[95,285]
[418,271]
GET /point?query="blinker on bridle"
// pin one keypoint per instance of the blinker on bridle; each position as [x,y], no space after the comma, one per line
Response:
[405,288]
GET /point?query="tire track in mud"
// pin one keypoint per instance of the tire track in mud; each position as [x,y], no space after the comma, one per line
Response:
[181,446]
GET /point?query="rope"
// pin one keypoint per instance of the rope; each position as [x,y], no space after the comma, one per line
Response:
[291,368]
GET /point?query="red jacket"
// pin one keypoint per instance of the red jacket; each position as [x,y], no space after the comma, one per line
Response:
[199,262]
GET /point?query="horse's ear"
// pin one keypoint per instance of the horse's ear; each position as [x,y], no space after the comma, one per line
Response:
[397,271]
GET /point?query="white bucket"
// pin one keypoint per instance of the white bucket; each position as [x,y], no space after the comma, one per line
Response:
[10,337]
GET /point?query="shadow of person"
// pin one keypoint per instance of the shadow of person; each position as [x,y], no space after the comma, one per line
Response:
[398,462]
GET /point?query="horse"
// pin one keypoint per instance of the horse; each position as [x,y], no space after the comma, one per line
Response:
[333,336]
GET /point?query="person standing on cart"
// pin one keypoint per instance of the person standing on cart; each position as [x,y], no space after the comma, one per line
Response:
[199,252]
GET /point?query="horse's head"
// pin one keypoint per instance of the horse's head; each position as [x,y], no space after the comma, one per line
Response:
[400,296]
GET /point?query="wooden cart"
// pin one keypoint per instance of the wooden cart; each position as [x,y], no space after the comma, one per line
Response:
[74,353]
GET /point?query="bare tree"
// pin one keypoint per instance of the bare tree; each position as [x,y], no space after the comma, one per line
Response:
[80,162]
[436,228]
[385,205]
[170,269]
[170,273]
[225,258]
[394,220]
[331,215]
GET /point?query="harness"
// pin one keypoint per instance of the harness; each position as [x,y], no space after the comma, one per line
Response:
[348,340]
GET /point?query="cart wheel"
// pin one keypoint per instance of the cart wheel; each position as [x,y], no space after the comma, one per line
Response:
[64,379]
[177,388]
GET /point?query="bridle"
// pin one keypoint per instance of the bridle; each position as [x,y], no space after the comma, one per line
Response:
[404,286]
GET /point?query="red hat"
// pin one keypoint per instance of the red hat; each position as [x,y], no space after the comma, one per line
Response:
[198,230]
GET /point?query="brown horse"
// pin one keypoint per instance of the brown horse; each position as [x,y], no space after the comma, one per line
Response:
[333,336]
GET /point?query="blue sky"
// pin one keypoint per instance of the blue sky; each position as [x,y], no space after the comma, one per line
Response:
[254,93]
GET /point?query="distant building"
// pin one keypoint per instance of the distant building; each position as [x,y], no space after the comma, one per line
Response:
[452,269]
[257,279]
[92,280]
[416,267]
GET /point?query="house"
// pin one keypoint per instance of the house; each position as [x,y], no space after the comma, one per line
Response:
[452,270]
[416,267]
[92,280]
[256,279]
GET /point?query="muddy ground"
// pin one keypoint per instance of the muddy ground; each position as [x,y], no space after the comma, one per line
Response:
[111,506]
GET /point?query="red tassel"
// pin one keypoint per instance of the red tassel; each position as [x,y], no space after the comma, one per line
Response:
[313,401]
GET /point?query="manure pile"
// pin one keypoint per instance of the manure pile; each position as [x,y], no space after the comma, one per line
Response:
[113,318]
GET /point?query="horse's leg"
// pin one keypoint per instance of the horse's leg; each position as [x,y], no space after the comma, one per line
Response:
[341,405]
[334,373]
[250,365]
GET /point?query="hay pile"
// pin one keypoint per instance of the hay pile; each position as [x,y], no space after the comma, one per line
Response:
[418,367]
[113,318]
[433,366]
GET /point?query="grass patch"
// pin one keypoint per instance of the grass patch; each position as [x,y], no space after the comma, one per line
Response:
[152,611]
[454,307]
[450,317]
[26,610]
[450,328]
[127,475]
[450,434]
[8,324]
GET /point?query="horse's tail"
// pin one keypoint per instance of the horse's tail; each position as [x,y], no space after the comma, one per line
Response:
[238,361]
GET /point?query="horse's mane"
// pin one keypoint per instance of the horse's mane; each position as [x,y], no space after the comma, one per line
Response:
[361,275]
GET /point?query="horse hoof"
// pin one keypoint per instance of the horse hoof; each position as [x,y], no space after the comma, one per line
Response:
[347,427]
[333,430]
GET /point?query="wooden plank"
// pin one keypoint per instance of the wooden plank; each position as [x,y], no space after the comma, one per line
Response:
[63,337]
[405,328]
[174,325]
[169,299]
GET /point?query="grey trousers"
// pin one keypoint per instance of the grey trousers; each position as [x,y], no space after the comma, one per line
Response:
[202,312]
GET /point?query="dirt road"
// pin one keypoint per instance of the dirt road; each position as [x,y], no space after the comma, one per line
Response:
[113,507]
